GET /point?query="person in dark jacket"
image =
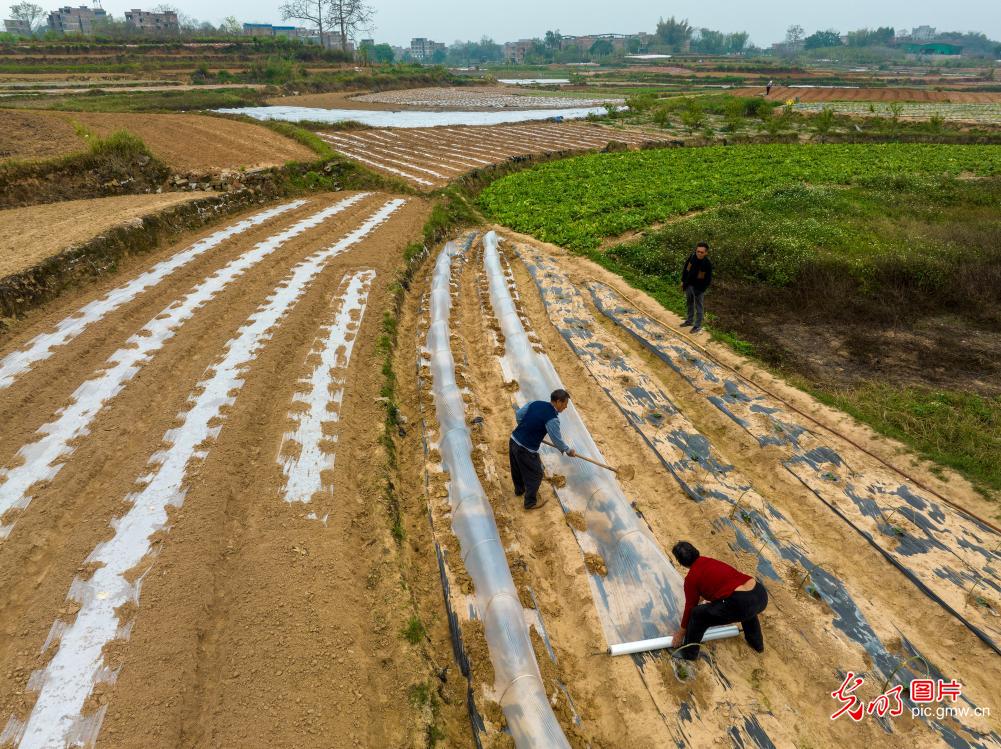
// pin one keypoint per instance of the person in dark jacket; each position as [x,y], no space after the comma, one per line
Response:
[696,277]
[536,420]
[732,597]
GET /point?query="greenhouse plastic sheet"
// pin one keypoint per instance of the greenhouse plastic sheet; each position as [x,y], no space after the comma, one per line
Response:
[944,551]
[518,685]
[407,118]
[757,526]
[642,596]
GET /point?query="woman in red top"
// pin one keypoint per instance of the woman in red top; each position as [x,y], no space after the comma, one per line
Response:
[733,597]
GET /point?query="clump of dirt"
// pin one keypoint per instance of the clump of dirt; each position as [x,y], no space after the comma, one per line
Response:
[474,640]
[493,713]
[459,573]
[498,740]
[557,481]
[434,455]
[595,564]
[512,387]
[438,485]
[542,546]
[576,520]
[519,573]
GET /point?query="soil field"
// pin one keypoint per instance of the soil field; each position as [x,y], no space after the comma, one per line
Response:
[476,98]
[29,235]
[837,602]
[132,88]
[198,555]
[785,93]
[186,142]
[432,157]
[34,135]
[985,114]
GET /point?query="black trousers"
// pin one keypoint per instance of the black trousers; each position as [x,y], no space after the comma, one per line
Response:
[741,606]
[526,472]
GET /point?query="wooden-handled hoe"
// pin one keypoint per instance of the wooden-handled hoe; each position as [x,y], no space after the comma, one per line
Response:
[625,472]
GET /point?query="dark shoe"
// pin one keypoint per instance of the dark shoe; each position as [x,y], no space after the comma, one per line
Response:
[696,329]
[758,647]
[539,502]
[686,323]
[520,494]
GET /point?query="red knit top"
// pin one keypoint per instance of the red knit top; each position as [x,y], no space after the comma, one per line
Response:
[710,579]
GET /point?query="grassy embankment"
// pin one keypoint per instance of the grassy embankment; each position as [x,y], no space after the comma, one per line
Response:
[849,243]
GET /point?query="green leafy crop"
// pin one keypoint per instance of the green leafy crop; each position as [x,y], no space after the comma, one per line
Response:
[577,202]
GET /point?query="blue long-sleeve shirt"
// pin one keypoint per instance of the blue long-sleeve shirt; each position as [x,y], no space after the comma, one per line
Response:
[552,429]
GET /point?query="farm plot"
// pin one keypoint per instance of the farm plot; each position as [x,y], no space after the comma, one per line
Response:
[29,235]
[811,94]
[185,142]
[36,135]
[836,604]
[480,97]
[981,114]
[191,552]
[431,157]
[577,202]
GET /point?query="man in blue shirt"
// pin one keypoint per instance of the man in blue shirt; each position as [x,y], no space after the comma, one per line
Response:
[536,420]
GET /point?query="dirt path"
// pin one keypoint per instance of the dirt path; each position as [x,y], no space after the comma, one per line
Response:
[29,235]
[258,621]
[842,615]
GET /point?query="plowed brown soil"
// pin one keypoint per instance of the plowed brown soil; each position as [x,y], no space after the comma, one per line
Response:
[257,625]
[186,142]
[784,93]
[29,235]
[431,157]
[787,689]
[36,135]
[199,142]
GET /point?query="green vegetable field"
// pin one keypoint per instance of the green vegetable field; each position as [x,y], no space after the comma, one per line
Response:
[578,202]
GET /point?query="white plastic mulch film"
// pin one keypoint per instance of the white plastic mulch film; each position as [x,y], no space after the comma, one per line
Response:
[642,596]
[519,687]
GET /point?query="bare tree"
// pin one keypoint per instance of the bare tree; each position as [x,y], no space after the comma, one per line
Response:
[795,34]
[349,17]
[27,13]
[316,12]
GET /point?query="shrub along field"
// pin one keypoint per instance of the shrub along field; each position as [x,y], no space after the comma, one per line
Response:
[869,274]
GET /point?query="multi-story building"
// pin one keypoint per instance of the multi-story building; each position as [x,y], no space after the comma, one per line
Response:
[17,26]
[306,36]
[514,52]
[258,29]
[923,33]
[82,20]
[149,22]
[423,49]
[586,41]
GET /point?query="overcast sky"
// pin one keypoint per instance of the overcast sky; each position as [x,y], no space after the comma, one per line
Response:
[766,20]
